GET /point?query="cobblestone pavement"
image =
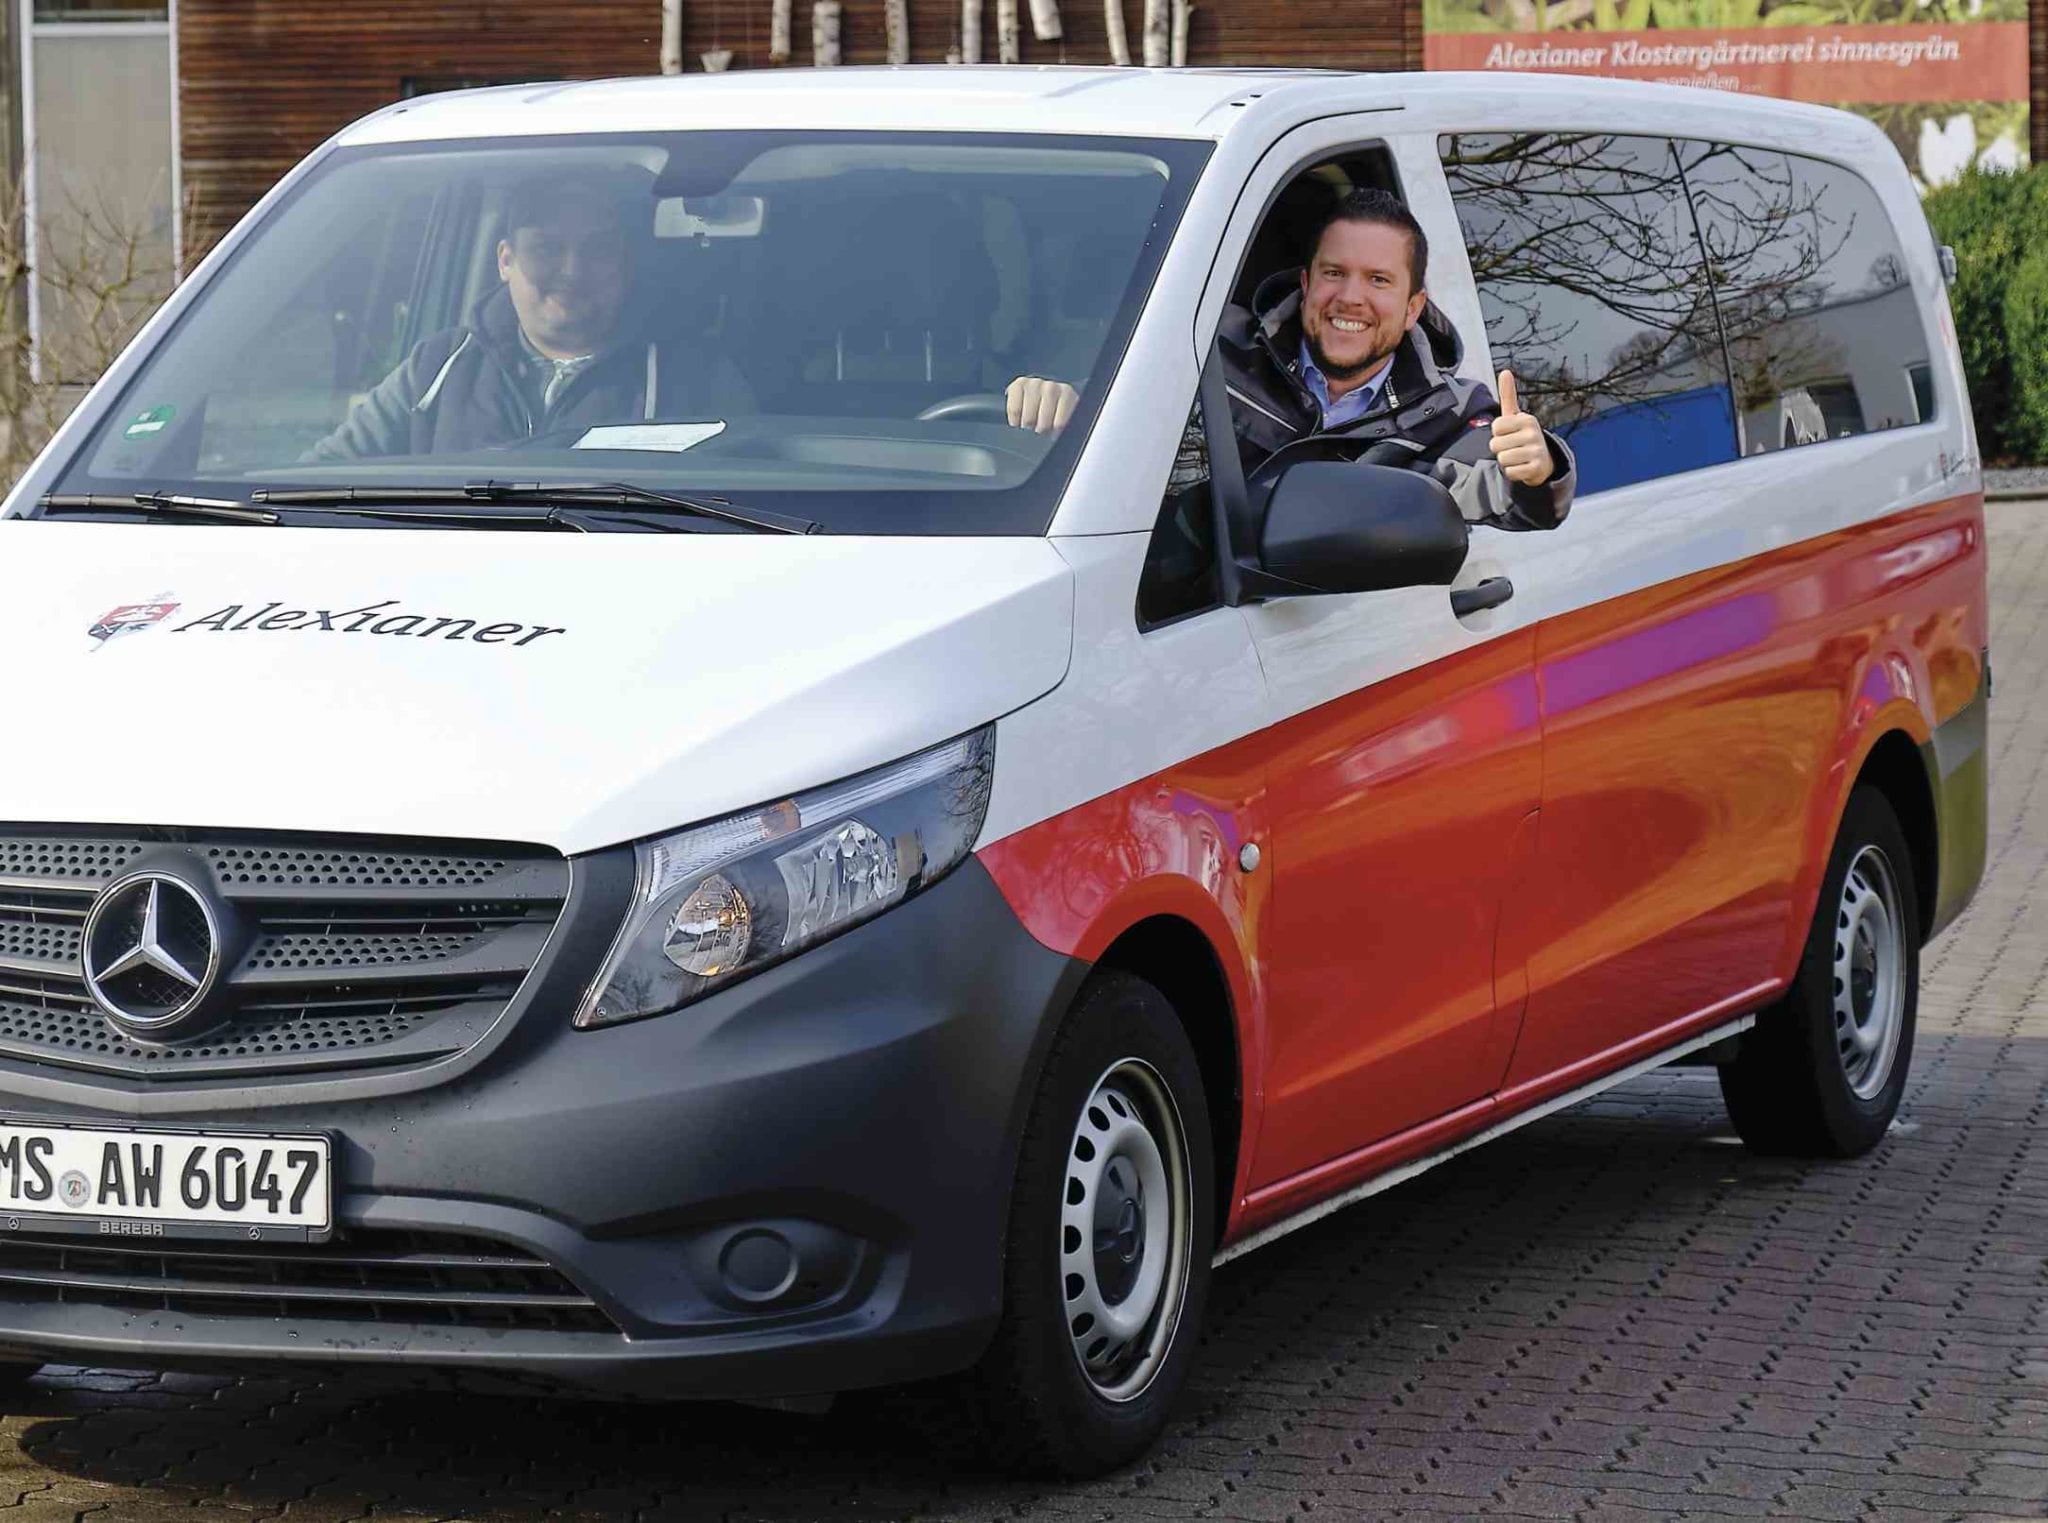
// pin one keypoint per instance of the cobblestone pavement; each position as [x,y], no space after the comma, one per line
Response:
[1618,1315]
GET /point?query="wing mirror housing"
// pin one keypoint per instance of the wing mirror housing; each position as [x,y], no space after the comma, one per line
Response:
[1338,526]
[1315,519]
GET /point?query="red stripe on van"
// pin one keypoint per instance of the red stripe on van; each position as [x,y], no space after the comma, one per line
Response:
[1700,738]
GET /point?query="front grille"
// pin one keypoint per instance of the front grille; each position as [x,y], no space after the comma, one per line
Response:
[404,1279]
[351,952]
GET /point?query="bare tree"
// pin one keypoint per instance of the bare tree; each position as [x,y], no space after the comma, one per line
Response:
[1697,264]
[1113,26]
[825,22]
[1158,46]
[101,269]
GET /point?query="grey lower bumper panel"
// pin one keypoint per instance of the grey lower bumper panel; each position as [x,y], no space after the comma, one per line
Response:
[798,1185]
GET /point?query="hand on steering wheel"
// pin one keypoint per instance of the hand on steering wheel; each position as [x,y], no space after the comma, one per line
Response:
[1031,402]
[1041,405]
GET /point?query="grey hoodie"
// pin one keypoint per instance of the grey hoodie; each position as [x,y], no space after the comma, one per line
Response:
[468,388]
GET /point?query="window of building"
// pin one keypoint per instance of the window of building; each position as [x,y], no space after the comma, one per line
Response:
[1824,334]
[100,10]
[1595,292]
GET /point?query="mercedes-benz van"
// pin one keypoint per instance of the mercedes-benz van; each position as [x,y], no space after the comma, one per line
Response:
[596,812]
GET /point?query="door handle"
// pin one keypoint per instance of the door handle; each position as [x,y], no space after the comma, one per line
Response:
[1491,593]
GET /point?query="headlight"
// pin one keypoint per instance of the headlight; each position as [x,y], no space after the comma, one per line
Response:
[716,902]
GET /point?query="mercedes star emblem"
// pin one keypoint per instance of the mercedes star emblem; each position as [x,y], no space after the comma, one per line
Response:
[151,951]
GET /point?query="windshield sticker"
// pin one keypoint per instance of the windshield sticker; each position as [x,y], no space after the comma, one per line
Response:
[131,618]
[671,438]
[155,421]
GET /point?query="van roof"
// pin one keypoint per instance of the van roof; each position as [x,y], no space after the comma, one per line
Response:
[1185,103]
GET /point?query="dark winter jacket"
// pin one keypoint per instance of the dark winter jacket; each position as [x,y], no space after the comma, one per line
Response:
[1426,417]
[469,388]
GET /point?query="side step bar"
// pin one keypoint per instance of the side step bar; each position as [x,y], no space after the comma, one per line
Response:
[1415,1166]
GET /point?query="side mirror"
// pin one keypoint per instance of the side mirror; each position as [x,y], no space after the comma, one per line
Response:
[1335,526]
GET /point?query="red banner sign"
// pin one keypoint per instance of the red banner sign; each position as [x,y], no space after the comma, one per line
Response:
[1977,61]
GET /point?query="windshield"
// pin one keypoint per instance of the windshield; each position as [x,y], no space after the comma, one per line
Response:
[820,325]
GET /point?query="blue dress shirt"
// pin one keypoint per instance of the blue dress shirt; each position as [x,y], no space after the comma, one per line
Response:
[1348,408]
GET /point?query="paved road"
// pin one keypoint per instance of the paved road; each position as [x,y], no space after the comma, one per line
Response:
[1619,1315]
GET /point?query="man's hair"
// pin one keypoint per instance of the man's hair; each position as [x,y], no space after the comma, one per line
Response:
[1378,208]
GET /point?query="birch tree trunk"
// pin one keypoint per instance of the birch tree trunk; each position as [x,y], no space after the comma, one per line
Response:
[1009,46]
[970,31]
[896,28]
[778,32]
[1045,19]
[671,36]
[825,33]
[1113,24]
[717,61]
[1183,12]
[1158,51]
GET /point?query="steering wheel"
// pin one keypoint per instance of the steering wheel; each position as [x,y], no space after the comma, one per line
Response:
[969,404]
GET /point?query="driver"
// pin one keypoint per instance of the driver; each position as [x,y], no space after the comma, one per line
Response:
[553,348]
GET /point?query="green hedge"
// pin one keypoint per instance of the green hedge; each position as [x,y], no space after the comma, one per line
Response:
[2025,423]
[2000,300]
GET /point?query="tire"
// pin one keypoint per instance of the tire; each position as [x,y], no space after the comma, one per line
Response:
[1821,1073]
[1102,1289]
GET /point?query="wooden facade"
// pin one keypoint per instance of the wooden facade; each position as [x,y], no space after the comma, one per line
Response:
[1338,34]
[263,82]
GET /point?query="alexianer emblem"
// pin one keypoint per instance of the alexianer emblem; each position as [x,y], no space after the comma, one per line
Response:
[131,618]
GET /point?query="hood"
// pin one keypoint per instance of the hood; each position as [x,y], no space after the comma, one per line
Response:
[1276,306]
[574,690]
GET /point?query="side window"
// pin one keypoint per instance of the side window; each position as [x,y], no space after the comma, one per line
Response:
[1595,293]
[1179,577]
[1824,335]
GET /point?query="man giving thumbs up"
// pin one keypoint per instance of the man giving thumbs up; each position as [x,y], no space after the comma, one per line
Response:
[1349,347]
[1518,442]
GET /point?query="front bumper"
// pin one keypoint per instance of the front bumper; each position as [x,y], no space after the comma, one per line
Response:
[798,1185]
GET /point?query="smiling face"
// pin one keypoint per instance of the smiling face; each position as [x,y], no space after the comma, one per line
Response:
[1358,300]
[567,274]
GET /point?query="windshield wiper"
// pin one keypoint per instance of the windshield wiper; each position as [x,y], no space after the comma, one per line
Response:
[644,500]
[159,503]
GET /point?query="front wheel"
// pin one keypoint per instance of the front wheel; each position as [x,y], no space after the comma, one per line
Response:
[1822,1072]
[1112,1225]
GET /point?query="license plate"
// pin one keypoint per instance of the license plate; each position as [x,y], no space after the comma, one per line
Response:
[157,1184]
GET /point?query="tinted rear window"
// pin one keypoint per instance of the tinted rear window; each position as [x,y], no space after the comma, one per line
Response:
[1671,304]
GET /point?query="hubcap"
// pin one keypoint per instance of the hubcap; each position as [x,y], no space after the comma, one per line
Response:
[1124,1230]
[1869,974]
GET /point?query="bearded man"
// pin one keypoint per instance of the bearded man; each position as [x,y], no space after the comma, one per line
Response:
[1350,348]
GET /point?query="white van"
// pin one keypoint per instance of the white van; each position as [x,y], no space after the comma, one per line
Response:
[597,814]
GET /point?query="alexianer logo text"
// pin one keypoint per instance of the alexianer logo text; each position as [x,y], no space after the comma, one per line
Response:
[385,618]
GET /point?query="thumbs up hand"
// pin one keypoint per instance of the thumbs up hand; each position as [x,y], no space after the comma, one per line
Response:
[1518,442]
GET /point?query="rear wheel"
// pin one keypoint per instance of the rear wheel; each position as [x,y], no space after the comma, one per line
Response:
[1822,1072]
[1111,1231]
